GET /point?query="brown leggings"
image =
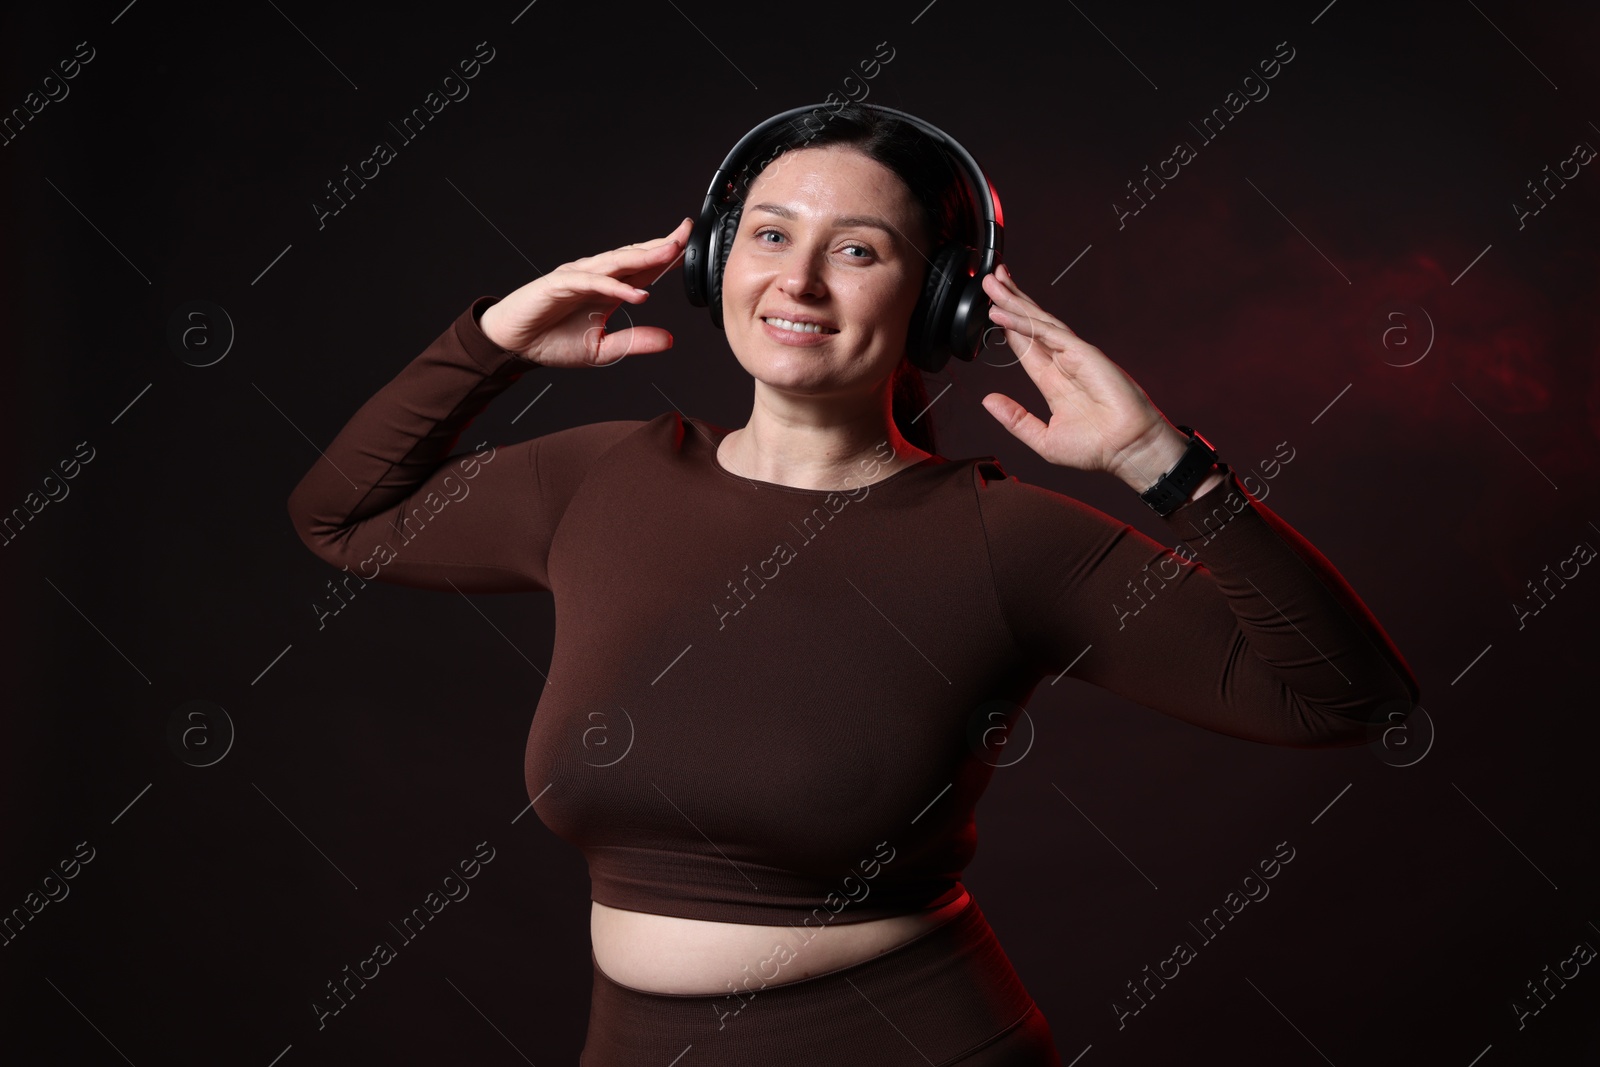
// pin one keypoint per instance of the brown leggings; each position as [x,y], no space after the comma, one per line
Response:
[948,996]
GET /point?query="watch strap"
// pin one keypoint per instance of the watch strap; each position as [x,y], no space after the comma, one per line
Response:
[1172,489]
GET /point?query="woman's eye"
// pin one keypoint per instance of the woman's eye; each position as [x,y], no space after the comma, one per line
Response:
[852,251]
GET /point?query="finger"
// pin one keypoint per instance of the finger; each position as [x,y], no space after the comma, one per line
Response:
[1002,296]
[680,234]
[1006,290]
[1011,337]
[631,258]
[1004,275]
[633,341]
[1048,365]
[640,257]
[650,276]
[1052,335]
[1023,425]
[634,257]
[574,283]
[1013,299]
[678,237]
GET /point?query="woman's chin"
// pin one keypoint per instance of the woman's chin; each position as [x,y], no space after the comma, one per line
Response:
[800,370]
[806,385]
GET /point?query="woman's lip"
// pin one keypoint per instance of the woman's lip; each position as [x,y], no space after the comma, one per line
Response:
[792,337]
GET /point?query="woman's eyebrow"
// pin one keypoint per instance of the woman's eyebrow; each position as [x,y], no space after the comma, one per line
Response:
[838,220]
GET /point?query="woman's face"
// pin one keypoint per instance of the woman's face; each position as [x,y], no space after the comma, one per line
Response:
[830,237]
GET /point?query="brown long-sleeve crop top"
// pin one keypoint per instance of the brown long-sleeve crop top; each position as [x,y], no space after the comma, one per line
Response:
[774,705]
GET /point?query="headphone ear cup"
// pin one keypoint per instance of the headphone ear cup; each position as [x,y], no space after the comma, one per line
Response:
[969,319]
[929,344]
[717,259]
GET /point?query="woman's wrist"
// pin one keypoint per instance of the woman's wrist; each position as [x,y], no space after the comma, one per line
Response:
[488,326]
[1141,465]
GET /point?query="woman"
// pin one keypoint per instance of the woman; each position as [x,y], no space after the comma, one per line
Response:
[776,797]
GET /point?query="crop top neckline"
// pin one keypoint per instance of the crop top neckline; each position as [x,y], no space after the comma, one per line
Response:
[715,434]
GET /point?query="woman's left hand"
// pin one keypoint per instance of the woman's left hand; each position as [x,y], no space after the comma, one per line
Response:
[1099,417]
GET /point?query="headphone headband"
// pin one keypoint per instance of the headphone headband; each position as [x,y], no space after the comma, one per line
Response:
[954,310]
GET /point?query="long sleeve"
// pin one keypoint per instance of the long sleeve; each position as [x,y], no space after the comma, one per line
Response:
[388,500]
[1244,628]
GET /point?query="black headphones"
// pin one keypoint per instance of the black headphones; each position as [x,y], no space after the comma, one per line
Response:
[953,313]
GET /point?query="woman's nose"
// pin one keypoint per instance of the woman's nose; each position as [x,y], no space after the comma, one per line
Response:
[802,275]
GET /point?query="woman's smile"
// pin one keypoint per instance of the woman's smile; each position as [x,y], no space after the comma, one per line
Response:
[800,333]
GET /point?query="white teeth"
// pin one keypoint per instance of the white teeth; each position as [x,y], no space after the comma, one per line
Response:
[799,327]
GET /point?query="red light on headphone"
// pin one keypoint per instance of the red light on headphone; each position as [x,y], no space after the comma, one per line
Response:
[999,216]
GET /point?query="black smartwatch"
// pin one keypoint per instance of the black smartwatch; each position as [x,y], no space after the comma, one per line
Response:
[1172,489]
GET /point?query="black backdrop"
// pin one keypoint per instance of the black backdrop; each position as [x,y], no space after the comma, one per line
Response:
[1343,268]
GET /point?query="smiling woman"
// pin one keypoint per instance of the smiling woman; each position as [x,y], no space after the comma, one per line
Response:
[728,845]
[911,224]
[817,294]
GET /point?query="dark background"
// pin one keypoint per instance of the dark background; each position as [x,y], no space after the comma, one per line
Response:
[1456,859]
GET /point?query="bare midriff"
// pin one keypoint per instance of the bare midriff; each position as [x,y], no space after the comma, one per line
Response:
[668,954]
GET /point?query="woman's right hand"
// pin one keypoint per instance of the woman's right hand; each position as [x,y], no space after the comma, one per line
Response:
[558,319]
